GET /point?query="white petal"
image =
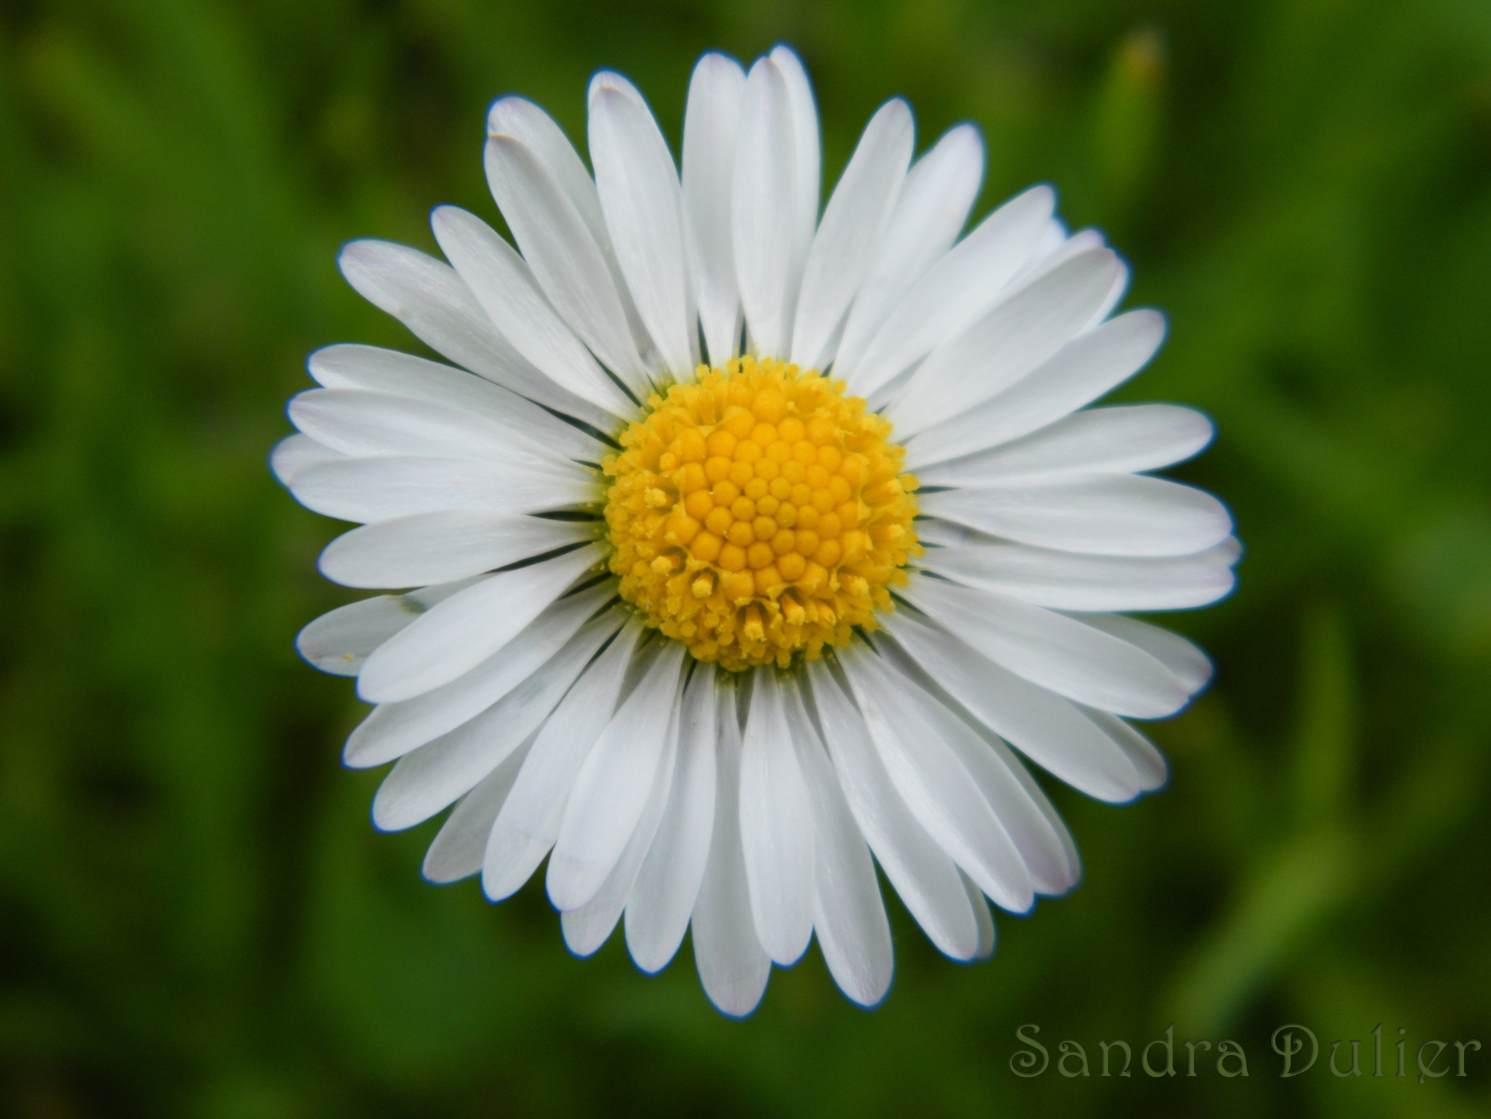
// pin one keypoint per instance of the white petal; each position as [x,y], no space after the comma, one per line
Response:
[457,847]
[393,729]
[732,965]
[853,224]
[921,872]
[764,209]
[357,422]
[1112,515]
[341,640]
[525,121]
[563,254]
[1141,751]
[296,453]
[1056,248]
[587,927]
[1082,371]
[429,298]
[503,284]
[1052,650]
[930,211]
[431,777]
[1014,338]
[459,634]
[438,547]
[643,206]
[348,366]
[710,127]
[954,292]
[1122,440]
[1072,581]
[1190,665]
[1050,730]
[1058,846]
[936,784]
[807,155]
[529,822]
[1038,842]
[847,911]
[378,489]
[657,914]
[776,824]
[985,919]
[612,786]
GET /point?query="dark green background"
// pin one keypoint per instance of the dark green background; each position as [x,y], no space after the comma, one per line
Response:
[196,917]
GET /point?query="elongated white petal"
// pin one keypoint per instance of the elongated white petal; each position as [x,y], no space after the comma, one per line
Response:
[711,124]
[853,224]
[340,641]
[522,119]
[1050,730]
[1190,665]
[643,206]
[1112,515]
[1122,440]
[954,292]
[667,886]
[296,453]
[733,967]
[936,784]
[612,786]
[587,927]
[1056,839]
[1078,374]
[564,256]
[525,121]
[1057,247]
[776,824]
[985,919]
[429,298]
[503,284]
[465,630]
[1071,581]
[1065,249]
[1148,760]
[393,729]
[921,872]
[1037,841]
[807,153]
[378,489]
[1054,651]
[763,211]
[529,821]
[930,211]
[359,423]
[1021,332]
[848,913]
[431,777]
[438,547]
[348,366]
[456,850]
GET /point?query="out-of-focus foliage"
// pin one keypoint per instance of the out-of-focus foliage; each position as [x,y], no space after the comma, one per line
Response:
[196,918]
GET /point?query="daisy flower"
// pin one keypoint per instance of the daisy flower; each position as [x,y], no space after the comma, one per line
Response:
[752,547]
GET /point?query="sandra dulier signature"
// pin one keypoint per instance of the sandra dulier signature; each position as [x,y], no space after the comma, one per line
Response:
[1296,1046]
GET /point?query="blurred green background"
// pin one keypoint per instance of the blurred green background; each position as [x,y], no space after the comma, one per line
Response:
[196,918]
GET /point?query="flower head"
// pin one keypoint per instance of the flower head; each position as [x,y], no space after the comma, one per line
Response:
[746,542]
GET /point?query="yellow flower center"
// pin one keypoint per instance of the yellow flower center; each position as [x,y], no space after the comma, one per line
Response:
[759,512]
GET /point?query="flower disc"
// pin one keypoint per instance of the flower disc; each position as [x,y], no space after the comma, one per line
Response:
[759,512]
